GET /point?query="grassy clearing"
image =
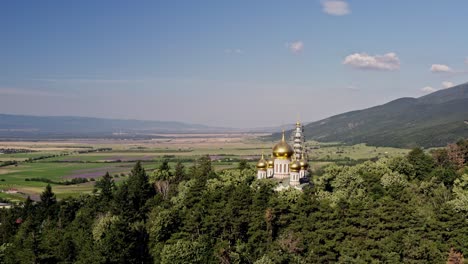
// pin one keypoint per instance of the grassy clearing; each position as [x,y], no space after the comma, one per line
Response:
[359,151]
[11,197]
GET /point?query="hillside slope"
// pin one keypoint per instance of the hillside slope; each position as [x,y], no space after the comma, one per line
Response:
[432,120]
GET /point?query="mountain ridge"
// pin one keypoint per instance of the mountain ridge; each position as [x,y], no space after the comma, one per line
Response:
[432,120]
[31,125]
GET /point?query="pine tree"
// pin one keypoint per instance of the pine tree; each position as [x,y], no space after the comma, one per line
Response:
[421,162]
[165,165]
[139,188]
[48,200]
[179,172]
[203,169]
[48,197]
[28,207]
[106,185]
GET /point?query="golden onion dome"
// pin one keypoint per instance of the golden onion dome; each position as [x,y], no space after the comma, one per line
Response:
[298,124]
[295,166]
[262,164]
[282,150]
[303,162]
[271,162]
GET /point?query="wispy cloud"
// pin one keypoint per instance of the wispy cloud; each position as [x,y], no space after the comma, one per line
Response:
[85,80]
[352,88]
[335,7]
[437,68]
[386,62]
[447,84]
[233,51]
[295,47]
[29,92]
[428,89]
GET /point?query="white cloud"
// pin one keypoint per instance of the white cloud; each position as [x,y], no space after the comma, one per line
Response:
[386,62]
[447,84]
[295,47]
[466,60]
[428,89]
[440,68]
[335,7]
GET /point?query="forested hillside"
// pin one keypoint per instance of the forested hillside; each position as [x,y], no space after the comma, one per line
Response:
[410,209]
[429,121]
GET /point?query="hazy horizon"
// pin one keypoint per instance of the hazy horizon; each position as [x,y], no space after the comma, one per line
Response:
[228,64]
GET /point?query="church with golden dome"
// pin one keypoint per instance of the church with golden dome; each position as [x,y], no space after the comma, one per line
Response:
[287,164]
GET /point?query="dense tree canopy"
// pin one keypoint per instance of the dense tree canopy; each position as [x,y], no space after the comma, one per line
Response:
[411,209]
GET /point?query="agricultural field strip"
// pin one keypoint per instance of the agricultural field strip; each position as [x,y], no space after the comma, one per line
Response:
[95,164]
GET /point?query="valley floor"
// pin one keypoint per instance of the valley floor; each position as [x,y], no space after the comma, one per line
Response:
[32,165]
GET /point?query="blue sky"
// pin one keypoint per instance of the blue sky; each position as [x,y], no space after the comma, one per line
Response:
[226,63]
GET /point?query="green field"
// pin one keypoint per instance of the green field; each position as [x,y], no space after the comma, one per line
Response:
[25,156]
[68,163]
[359,151]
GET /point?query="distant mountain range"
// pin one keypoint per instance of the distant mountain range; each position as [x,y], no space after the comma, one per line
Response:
[432,120]
[26,126]
[429,121]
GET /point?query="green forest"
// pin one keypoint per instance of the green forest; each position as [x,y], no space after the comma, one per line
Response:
[408,209]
